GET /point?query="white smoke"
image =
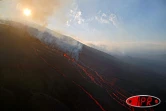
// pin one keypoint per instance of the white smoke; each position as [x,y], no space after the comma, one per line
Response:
[56,40]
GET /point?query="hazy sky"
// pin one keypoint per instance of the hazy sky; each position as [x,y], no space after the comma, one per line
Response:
[120,25]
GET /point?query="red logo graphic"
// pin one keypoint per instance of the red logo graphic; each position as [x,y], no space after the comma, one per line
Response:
[143,101]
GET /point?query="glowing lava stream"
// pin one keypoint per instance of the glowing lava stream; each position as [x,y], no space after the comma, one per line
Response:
[97,103]
[115,94]
[90,96]
[115,91]
[104,84]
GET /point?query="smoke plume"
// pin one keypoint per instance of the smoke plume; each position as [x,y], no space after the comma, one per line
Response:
[56,40]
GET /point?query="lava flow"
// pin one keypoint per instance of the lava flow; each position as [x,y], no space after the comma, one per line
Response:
[114,91]
[90,96]
[65,55]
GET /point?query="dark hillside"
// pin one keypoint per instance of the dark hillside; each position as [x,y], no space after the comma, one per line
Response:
[36,76]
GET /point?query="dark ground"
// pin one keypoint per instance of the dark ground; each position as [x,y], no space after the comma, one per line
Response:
[36,77]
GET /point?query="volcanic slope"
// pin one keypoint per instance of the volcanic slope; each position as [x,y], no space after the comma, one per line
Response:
[34,76]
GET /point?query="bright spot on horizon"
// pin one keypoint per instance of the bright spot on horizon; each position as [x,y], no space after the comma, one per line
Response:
[27,12]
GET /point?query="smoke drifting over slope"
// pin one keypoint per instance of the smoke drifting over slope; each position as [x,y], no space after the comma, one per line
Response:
[135,49]
[55,40]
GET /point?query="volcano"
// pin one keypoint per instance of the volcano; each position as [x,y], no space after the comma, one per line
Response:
[42,72]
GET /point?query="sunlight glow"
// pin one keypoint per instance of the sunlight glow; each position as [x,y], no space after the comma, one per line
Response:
[27,12]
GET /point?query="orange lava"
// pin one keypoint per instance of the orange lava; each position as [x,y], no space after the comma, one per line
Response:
[97,103]
[114,91]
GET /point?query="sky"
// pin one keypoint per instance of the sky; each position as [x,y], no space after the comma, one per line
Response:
[120,26]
